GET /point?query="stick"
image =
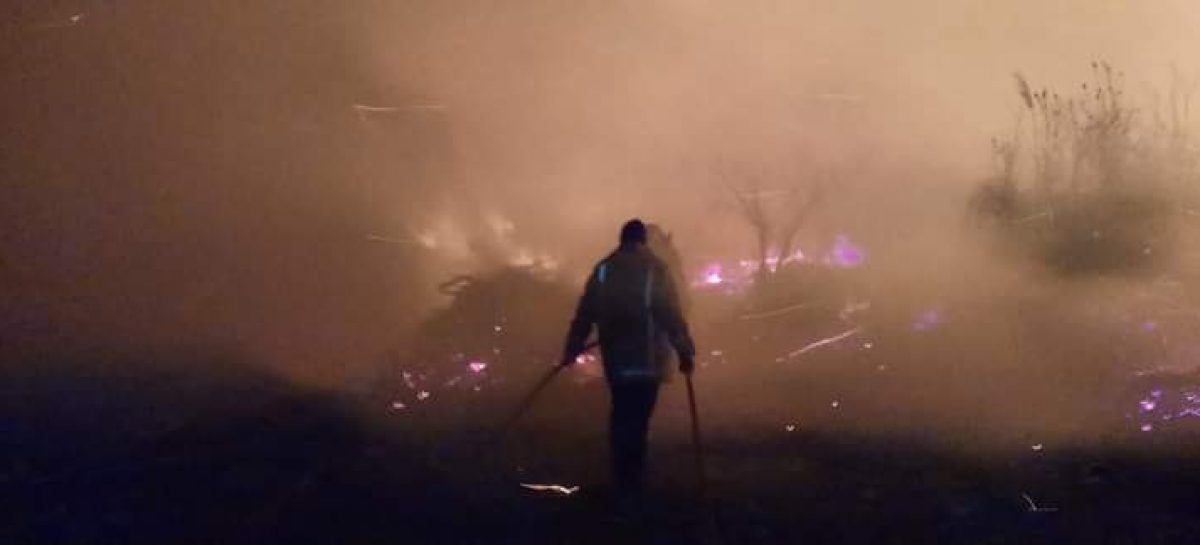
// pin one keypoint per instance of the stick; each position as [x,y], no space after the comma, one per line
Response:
[714,532]
[697,445]
[527,401]
[496,435]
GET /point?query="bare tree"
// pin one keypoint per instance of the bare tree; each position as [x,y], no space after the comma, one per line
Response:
[776,216]
[753,210]
[801,200]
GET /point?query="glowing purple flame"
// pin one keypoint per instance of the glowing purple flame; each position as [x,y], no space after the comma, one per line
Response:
[928,320]
[712,275]
[477,366]
[846,254]
[585,359]
[1167,406]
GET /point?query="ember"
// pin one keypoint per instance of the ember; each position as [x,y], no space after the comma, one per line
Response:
[556,488]
[823,342]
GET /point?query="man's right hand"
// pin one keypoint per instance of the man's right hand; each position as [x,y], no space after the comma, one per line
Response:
[687,364]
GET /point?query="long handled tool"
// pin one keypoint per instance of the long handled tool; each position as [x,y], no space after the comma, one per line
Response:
[527,401]
[456,449]
[697,444]
[714,532]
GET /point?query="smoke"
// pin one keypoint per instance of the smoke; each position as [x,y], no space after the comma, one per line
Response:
[572,118]
[295,181]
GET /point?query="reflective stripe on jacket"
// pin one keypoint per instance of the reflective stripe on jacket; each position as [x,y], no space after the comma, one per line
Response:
[632,300]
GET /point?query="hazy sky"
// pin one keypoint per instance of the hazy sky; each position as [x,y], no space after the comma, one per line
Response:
[197,169]
[613,107]
[621,80]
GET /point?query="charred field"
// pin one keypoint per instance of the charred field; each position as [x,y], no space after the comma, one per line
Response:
[281,272]
[885,435]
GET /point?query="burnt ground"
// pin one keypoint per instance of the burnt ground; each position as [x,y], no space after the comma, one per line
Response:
[119,448]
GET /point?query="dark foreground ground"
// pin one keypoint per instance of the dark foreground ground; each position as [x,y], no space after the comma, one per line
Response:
[121,451]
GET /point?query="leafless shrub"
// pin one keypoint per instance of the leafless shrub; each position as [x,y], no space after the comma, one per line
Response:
[1086,181]
[776,215]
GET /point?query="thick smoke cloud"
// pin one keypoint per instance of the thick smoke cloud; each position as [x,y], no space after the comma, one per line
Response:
[587,113]
[200,172]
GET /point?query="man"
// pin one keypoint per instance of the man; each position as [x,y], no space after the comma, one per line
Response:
[631,299]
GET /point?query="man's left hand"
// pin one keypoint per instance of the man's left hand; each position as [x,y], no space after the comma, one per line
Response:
[687,364]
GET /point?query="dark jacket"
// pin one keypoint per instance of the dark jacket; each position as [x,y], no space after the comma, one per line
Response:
[632,300]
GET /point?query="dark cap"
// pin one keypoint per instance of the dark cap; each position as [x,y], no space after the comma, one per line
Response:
[633,232]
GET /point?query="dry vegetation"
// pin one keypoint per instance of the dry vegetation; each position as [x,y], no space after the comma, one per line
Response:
[1087,182]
